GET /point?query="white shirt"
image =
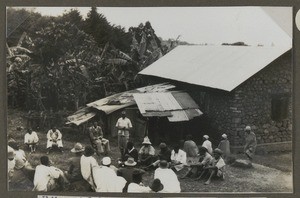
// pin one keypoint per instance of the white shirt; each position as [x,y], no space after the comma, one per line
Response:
[179,157]
[123,123]
[136,188]
[31,138]
[207,145]
[54,135]
[20,158]
[86,165]
[106,180]
[42,176]
[169,179]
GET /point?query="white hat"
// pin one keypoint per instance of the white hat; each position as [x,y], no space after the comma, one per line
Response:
[248,128]
[206,136]
[106,161]
[77,148]
[224,136]
[146,140]
[130,162]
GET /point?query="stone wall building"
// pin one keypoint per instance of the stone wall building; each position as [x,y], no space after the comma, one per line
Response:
[236,90]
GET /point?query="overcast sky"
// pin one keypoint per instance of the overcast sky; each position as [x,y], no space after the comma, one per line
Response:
[213,25]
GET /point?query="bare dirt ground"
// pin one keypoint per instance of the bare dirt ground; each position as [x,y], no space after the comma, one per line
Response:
[270,173]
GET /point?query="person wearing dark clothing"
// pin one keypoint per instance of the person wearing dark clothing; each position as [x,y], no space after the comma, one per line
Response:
[164,154]
[127,171]
[130,151]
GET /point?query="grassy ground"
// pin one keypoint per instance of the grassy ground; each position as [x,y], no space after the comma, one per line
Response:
[271,173]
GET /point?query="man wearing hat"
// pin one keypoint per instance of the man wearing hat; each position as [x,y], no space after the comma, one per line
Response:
[147,152]
[74,172]
[167,177]
[127,171]
[123,125]
[207,144]
[106,179]
[216,167]
[224,146]
[250,143]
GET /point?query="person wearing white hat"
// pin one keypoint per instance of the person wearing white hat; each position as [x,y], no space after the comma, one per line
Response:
[250,143]
[207,144]
[74,172]
[106,179]
[127,171]
[146,153]
[224,146]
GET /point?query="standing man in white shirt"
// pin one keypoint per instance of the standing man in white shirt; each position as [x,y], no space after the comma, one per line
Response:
[54,137]
[123,125]
[207,144]
[31,139]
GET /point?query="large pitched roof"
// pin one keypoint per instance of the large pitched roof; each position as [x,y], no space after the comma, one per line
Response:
[221,67]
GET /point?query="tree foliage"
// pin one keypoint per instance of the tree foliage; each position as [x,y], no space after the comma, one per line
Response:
[66,62]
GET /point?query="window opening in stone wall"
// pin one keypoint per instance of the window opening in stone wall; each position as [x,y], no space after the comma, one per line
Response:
[279,107]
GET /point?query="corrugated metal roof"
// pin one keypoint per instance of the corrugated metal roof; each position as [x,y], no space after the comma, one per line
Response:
[121,100]
[221,67]
[81,116]
[177,106]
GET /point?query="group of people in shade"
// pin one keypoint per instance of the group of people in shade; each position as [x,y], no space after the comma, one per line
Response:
[85,174]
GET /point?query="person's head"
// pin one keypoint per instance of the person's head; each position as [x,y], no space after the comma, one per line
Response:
[217,153]
[163,146]
[205,137]
[106,161]
[247,129]
[123,114]
[89,151]
[129,145]
[176,148]
[13,144]
[95,124]
[202,150]
[10,153]
[189,137]
[45,160]
[163,164]
[146,142]
[130,162]
[78,149]
[53,128]
[156,185]
[29,130]
[224,136]
[136,177]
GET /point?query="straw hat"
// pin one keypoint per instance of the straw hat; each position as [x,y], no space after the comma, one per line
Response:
[206,136]
[224,136]
[77,148]
[130,162]
[157,185]
[106,161]
[247,128]
[146,140]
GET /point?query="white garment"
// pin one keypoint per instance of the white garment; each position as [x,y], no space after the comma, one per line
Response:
[54,136]
[20,159]
[86,165]
[106,180]
[43,175]
[179,157]
[31,138]
[124,123]
[207,145]
[136,188]
[169,179]
[10,164]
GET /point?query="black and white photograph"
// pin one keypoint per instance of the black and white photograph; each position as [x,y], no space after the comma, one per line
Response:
[152,100]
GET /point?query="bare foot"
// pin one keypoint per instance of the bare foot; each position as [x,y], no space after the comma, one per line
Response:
[207,182]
